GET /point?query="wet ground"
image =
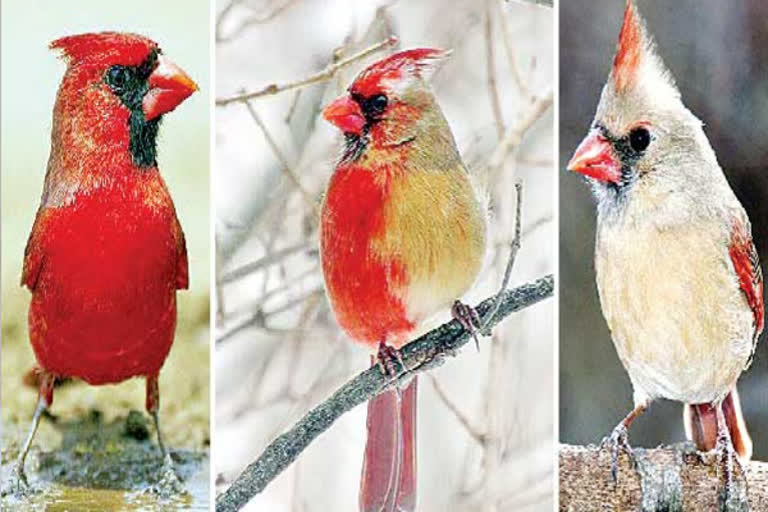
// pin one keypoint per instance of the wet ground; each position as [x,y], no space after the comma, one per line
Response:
[97,449]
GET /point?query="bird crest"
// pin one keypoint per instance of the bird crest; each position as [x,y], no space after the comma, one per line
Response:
[396,72]
[636,60]
[104,48]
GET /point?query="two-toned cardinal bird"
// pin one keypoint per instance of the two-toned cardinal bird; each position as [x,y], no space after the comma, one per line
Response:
[677,273]
[106,253]
[402,237]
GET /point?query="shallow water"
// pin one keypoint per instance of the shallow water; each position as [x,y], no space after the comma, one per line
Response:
[97,449]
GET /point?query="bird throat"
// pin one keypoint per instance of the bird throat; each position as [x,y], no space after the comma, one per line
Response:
[354,146]
[143,138]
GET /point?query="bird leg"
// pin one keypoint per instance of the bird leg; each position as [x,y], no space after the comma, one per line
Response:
[468,318]
[18,481]
[386,358]
[619,438]
[734,495]
[169,481]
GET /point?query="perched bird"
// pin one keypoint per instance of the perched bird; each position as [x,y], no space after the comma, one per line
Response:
[677,273]
[106,253]
[402,237]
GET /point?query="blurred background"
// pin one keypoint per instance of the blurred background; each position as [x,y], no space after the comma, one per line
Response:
[485,430]
[718,53]
[31,74]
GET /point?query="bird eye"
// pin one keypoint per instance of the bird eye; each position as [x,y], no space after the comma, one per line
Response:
[375,104]
[639,138]
[117,76]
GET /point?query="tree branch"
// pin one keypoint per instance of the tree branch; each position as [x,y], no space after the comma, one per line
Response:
[321,76]
[422,354]
[665,478]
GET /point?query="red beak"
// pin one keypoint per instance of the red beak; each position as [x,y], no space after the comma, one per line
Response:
[346,114]
[595,158]
[169,85]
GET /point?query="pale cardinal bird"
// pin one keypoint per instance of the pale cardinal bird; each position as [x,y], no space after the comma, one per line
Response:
[402,237]
[677,272]
[106,253]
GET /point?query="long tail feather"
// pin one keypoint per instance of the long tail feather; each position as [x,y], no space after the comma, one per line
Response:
[388,481]
[701,425]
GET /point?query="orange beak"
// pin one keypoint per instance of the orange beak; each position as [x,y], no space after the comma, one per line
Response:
[169,85]
[595,158]
[346,114]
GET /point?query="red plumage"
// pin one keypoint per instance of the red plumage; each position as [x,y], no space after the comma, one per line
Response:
[361,285]
[103,272]
[402,236]
[106,253]
[747,266]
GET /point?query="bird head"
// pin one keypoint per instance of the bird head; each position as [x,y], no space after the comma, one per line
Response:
[389,103]
[116,88]
[641,130]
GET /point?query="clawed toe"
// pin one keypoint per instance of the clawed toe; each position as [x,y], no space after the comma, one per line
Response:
[386,358]
[16,485]
[169,483]
[734,492]
[618,440]
[468,318]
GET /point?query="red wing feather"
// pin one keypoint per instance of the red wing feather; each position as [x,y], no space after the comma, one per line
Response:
[747,266]
[34,253]
[182,262]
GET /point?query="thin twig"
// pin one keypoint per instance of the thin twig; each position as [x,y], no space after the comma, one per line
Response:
[223,16]
[287,169]
[475,432]
[508,47]
[422,354]
[322,76]
[493,91]
[267,294]
[260,317]
[269,259]
[253,19]
[514,247]
[514,134]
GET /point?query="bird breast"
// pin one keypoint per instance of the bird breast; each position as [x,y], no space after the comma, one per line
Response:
[670,297]
[408,241]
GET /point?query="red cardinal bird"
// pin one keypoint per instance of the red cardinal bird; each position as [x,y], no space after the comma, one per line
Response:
[677,272]
[402,236]
[106,253]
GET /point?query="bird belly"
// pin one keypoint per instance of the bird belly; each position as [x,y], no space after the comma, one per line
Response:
[104,307]
[677,317]
[397,249]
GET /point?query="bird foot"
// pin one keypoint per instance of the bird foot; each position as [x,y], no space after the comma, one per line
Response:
[468,318]
[617,441]
[386,359]
[17,485]
[733,496]
[169,484]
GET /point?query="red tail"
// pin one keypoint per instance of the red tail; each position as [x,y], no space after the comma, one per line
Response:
[388,482]
[701,425]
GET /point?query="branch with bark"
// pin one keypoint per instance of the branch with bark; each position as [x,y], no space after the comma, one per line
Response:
[322,76]
[670,478]
[422,354]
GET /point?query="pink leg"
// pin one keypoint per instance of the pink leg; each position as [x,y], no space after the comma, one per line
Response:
[45,400]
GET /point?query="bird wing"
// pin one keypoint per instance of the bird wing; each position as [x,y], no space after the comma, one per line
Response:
[747,266]
[34,253]
[182,263]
